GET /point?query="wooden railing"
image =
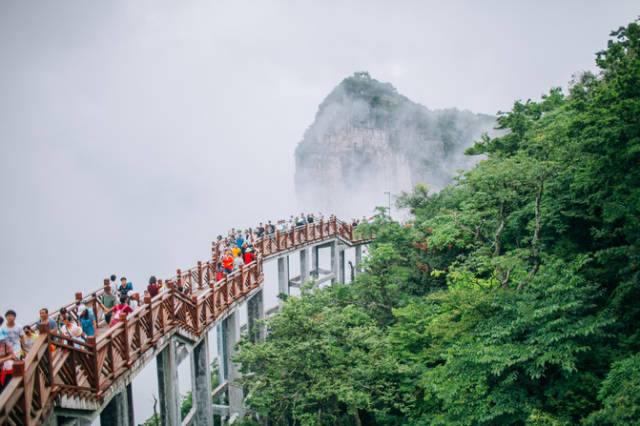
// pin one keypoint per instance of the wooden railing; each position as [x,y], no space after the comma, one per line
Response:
[59,365]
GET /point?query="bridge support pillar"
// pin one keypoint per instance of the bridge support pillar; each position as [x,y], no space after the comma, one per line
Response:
[315,269]
[337,262]
[231,337]
[334,261]
[358,260]
[283,275]
[255,313]
[119,411]
[168,391]
[304,266]
[201,379]
[341,274]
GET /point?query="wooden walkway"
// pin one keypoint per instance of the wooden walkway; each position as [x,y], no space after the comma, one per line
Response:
[60,366]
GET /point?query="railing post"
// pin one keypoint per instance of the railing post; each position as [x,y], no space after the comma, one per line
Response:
[199,274]
[125,333]
[150,320]
[78,298]
[172,310]
[95,380]
[18,371]
[243,289]
[45,333]
[196,316]
[277,240]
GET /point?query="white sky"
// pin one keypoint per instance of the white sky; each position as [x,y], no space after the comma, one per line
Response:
[132,133]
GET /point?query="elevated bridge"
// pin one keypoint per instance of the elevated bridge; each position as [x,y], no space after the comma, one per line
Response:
[66,381]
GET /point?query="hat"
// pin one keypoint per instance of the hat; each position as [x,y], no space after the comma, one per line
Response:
[81,309]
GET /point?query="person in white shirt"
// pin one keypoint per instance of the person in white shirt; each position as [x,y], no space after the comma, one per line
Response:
[237,261]
[71,329]
[13,332]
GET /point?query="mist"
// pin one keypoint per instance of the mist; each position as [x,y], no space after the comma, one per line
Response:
[132,133]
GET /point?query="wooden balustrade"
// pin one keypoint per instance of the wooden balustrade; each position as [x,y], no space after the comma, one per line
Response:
[58,364]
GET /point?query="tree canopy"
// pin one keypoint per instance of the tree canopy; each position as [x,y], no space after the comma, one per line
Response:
[511,297]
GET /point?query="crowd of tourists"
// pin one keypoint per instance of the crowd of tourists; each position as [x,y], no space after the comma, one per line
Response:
[79,322]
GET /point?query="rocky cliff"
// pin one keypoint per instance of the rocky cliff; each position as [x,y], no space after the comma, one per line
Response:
[367,139]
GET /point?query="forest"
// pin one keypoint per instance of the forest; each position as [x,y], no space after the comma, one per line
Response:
[510,297]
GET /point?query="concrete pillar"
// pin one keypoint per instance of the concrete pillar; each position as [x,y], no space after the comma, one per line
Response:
[119,411]
[314,262]
[341,274]
[222,361]
[255,313]
[358,260]
[231,336]
[201,382]
[132,421]
[304,265]
[168,391]
[334,261]
[283,275]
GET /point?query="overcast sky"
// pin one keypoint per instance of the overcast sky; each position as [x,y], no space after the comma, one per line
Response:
[133,132]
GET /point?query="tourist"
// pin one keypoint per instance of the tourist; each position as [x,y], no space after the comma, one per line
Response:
[121,308]
[152,288]
[107,301]
[249,256]
[13,332]
[7,357]
[71,330]
[87,322]
[124,287]
[219,271]
[113,280]
[227,262]
[28,340]
[1,330]
[134,300]
[60,320]
[237,261]
[239,240]
[44,318]
[81,306]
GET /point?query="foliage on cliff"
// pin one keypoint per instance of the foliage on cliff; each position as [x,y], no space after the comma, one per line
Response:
[512,297]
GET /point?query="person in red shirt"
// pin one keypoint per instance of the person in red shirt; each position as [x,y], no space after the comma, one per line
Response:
[227,263]
[249,256]
[219,272]
[152,288]
[120,308]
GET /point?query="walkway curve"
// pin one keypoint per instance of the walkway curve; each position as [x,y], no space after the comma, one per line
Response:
[58,367]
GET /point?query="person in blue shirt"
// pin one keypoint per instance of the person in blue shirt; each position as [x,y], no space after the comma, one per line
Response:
[124,287]
[239,240]
[87,322]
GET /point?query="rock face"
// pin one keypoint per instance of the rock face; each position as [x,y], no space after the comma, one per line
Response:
[367,139]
